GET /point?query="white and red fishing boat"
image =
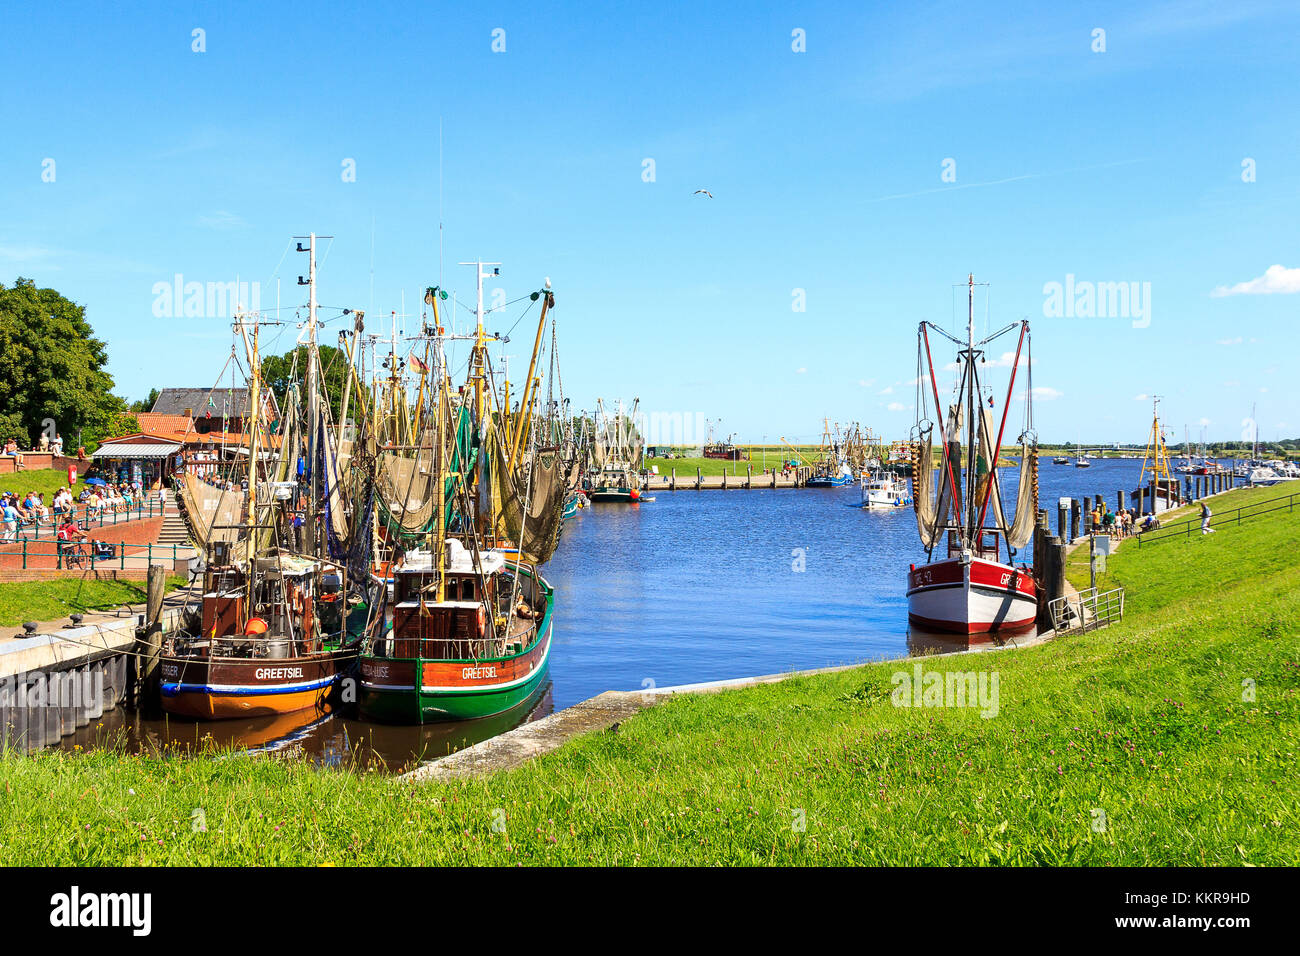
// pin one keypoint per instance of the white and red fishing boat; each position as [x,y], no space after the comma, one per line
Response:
[966,586]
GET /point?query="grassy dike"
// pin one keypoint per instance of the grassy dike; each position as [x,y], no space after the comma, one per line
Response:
[1144,722]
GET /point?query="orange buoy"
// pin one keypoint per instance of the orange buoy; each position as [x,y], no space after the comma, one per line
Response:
[256,625]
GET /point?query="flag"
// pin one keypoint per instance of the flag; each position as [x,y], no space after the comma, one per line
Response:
[417,364]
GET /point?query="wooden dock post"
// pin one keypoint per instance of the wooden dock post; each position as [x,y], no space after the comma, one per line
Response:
[146,685]
[1119,501]
[1087,515]
[749,476]
[1062,517]
[673,479]
[1074,518]
[1053,580]
[699,480]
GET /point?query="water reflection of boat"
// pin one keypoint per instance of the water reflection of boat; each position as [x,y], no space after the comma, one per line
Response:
[325,740]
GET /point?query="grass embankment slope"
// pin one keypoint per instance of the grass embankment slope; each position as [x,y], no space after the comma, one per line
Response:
[1131,745]
[50,600]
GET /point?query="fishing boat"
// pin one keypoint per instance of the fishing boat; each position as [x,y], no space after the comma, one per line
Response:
[1158,490]
[965,587]
[1082,460]
[1060,460]
[617,453]
[259,650]
[470,637]
[885,490]
[279,620]
[471,616]
[725,450]
[831,468]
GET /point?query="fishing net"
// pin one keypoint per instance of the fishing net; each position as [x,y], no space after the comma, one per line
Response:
[529,503]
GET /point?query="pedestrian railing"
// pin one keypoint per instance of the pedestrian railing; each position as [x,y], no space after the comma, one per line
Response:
[92,555]
[36,528]
[1088,609]
[1185,528]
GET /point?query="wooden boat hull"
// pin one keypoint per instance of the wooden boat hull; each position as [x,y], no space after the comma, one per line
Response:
[980,598]
[219,688]
[420,690]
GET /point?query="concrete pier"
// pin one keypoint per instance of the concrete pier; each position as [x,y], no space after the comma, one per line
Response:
[54,682]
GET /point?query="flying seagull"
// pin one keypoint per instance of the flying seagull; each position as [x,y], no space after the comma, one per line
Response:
[705,191]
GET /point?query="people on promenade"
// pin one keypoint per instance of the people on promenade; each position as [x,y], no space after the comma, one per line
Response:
[9,513]
[1205,519]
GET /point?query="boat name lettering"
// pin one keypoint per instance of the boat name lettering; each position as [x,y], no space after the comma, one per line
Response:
[277,673]
[477,673]
[375,670]
[170,670]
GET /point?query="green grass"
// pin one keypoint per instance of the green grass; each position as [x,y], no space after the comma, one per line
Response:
[44,481]
[1225,507]
[50,600]
[1145,722]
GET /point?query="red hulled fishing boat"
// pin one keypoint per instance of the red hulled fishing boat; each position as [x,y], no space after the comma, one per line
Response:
[967,588]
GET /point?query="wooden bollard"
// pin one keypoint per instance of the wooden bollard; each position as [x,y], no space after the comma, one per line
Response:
[749,476]
[147,683]
[1075,510]
[1087,515]
[1119,501]
[1062,516]
[672,480]
[699,480]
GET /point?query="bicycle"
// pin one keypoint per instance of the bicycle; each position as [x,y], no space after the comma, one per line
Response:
[75,555]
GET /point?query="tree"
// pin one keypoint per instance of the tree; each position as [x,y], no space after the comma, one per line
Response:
[145,404]
[52,369]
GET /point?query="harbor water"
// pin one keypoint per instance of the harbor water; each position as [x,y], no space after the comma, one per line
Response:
[693,586]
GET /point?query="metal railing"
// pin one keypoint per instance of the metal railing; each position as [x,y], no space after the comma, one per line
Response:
[1184,529]
[36,528]
[1089,608]
[92,555]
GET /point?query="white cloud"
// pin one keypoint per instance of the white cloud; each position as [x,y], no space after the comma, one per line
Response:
[1141,397]
[800,370]
[1276,280]
[1046,394]
[1231,383]
[887,390]
[1237,341]
[866,382]
[1204,421]
[895,407]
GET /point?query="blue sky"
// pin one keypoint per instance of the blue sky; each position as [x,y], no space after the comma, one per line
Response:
[825,167]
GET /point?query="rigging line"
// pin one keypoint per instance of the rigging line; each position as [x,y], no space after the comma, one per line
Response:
[276,271]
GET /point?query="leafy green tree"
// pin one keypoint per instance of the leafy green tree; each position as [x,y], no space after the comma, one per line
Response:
[146,404]
[52,369]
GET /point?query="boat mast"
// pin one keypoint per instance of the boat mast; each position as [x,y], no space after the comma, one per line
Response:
[313,402]
[971,430]
[478,366]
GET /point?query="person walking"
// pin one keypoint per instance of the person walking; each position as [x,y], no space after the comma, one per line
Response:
[1205,519]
